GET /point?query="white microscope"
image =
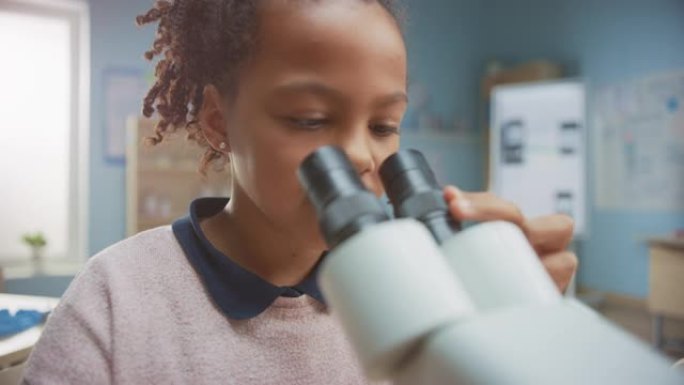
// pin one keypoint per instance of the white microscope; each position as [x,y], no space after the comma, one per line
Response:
[424,303]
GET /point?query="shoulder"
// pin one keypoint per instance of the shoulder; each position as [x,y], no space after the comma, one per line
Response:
[83,327]
[148,259]
[150,242]
[156,248]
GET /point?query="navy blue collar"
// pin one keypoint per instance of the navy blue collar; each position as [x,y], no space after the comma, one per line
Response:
[239,293]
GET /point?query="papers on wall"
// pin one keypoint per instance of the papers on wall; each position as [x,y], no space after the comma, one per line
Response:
[639,143]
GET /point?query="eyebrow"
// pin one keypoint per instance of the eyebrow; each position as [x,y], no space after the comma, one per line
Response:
[321,89]
[397,97]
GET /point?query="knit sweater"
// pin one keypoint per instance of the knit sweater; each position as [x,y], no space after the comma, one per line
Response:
[139,314]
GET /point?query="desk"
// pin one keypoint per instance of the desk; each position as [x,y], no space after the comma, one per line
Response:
[16,348]
[666,285]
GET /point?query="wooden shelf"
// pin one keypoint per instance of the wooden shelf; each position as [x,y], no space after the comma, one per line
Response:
[162,181]
[150,223]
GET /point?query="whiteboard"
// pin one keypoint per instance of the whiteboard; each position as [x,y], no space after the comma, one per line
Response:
[538,148]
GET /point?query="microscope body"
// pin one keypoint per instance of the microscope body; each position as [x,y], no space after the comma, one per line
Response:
[561,344]
[387,300]
[395,296]
[477,308]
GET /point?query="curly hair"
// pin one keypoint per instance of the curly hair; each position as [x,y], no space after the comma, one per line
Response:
[200,42]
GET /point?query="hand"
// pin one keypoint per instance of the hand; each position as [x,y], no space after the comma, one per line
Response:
[549,235]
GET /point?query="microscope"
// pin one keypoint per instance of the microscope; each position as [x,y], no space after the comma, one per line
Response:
[423,302]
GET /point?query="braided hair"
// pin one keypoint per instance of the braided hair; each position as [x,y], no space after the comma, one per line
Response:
[199,42]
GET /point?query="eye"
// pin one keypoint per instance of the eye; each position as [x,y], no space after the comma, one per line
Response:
[384,129]
[308,124]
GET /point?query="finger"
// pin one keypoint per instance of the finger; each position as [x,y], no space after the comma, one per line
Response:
[451,193]
[549,234]
[484,206]
[561,267]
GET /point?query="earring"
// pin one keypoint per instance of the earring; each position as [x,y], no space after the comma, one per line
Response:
[223,145]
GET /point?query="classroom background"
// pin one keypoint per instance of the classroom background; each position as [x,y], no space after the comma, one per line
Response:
[87,185]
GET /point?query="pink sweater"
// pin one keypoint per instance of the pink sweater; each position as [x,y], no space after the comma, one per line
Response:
[138,314]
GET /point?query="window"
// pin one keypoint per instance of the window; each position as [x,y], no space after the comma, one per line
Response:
[44,75]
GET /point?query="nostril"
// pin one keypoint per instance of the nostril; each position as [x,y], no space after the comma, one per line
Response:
[371,181]
[362,163]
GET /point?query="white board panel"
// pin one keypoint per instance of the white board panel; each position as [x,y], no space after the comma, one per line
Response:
[538,148]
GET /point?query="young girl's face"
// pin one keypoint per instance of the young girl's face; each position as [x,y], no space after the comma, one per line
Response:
[329,72]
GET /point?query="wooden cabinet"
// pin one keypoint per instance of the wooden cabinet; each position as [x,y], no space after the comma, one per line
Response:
[666,286]
[666,295]
[162,180]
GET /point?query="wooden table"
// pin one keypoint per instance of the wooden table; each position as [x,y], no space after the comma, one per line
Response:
[15,349]
[666,286]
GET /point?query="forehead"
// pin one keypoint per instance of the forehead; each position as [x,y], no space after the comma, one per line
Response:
[337,39]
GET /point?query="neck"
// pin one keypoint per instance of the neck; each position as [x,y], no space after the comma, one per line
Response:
[281,254]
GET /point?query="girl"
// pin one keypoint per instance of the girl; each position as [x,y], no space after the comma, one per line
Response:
[229,294]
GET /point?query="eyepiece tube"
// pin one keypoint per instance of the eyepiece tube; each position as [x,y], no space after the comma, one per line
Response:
[343,205]
[412,188]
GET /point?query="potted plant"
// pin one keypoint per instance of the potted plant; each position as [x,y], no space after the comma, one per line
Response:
[36,242]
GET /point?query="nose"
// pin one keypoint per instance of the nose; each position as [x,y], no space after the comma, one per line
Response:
[358,147]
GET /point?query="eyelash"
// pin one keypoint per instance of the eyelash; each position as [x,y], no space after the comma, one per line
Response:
[384,129]
[309,124]
[316,124]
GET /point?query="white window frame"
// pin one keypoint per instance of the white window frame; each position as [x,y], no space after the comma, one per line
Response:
[76,13]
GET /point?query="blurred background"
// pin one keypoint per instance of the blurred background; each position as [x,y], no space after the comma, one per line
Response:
[560,106]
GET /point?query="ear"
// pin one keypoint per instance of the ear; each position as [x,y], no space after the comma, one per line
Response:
[212,119]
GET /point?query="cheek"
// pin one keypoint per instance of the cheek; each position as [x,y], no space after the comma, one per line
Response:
[264,162]
[387,149]
[267,171]
[276,174]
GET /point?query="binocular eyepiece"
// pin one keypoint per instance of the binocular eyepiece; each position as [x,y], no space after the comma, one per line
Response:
[412,188]
[345,206]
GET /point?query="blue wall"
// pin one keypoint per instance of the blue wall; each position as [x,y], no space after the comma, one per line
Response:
[115,42]
[443,45]
[603,42]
